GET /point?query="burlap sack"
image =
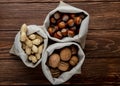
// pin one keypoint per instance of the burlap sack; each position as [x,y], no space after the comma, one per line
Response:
[65,8]
[66,75]
[17,47]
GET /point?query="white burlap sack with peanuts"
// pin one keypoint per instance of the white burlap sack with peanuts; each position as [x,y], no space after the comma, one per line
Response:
[17,46]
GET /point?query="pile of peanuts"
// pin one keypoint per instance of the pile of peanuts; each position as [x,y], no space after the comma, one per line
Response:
[32,44]
[65,24]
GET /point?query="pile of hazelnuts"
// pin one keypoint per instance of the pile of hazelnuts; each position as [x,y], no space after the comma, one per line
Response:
[62,60]
[65,24]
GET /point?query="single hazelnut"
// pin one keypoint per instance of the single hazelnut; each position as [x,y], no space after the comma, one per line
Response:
[70,22]
[74,60]
[54,60]
[71,33]
[52,20]
[57,15]
[58,35]
[51,30]
[73,50]
[64,32]
[65,17]
[78,20]
[82,16]
[72,15]
[65,54]
[73,28]
[55,72]
[63,66]
[61,24]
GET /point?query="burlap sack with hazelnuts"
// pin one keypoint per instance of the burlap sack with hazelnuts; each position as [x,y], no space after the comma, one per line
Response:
[81,31]
[17,48]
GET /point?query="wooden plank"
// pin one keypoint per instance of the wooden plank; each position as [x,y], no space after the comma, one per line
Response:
[99,44]
[37,1]
[102,15]
[94,71]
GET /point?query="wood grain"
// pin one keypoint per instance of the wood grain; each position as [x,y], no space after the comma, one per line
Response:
[102,15]
[53,1]
[102,63]
[99,44]
[93,72]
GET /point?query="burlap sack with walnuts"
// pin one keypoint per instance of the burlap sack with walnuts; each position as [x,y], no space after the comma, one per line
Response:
[17,47]
[66,75]
[65,8]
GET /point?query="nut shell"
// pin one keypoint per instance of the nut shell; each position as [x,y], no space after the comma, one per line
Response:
[74,60]
[65,54]
[58,35]
[70,22]
[57,15]
[54,60]
[55,72]
[78,20]
[71,33]
[61,24]
[63,66]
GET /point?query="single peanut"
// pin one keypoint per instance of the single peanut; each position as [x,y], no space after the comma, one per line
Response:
[32,36]
[34,49]
[23,31]
[30,57]
[28,50]
[36,41]
[39,37]
[40,49]
[34,59]
[28,42]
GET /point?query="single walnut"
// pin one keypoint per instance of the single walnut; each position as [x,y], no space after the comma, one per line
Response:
[65,54]
[54,60]
[63,66]
[55,72]
[74,50]
[74,60]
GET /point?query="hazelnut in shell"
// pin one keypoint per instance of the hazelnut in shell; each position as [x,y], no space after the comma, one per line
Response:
[58,35]
[74,60]
[64,31]
[71,33]
[63,66]
[52,20]
[65,54]
[70,22]
[73,28]
[51,30]
[57,15]
[54,60]
[78,20]
[65,17]
[72,15]
[61,24]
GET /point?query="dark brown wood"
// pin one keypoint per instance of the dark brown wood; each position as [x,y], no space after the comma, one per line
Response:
[37,1]
[102,50]
[103,15]
[99,44]
[94,71]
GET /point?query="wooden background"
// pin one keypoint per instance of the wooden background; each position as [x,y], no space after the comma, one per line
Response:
[102,63]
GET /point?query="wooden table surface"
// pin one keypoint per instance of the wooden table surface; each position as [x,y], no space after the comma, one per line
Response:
[102,63]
